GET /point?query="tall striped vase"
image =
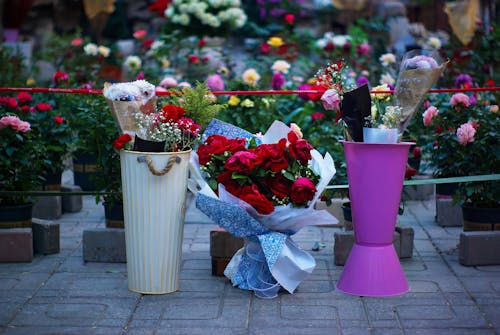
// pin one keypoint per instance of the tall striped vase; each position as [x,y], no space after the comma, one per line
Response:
[154,203]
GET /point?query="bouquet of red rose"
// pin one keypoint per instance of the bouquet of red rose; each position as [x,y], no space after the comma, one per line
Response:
[262,189]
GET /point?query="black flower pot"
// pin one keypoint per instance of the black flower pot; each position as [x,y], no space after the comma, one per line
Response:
[16,216]
[143,145]
[477,218]
[113,213]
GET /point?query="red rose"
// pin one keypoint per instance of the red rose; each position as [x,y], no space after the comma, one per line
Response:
[202,43]
[25,108]
[231,185]
[12,102]
[302,191]
[317,116]
[60,77]
[242,162]
[289,18]
[410,172]
[193,59]
[120,142]
[264,48]
[24,97]
[252,196]
[272,156]
[172,112]
[417,152]
[329,47]
[147,43]
[316,96]
[299,148]
[217,145]
[279,185]
[58,119]
[43,107]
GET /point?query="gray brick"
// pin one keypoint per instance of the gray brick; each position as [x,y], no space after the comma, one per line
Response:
[46,236]
[447,213]
[16,245]
[419,192]
[48,207]
[343,242]
[104,245]
[406,236]
[71,203]
[479,248]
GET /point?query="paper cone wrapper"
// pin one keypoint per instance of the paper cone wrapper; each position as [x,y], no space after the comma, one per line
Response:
[124,111]
[410,91]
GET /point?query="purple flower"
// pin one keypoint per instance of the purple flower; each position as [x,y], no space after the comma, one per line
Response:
[362,80]
[215,83]
[463,80]
[278,81]
[140,76]
[304,87]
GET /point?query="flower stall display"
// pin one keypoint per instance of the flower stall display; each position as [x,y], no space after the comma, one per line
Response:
[262,189]
[155,182]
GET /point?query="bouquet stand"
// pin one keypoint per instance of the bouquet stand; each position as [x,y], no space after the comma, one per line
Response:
[375,173]
[154,195]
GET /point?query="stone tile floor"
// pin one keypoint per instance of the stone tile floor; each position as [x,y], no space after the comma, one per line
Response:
[60,294]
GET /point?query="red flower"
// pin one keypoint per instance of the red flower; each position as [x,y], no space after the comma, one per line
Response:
[193,59]
[25,108]
[317,116]
[172,112]
[329,47]
[43,107]
[146,44]
[273,156]
[410,172]
[438,130]
[279,185]
[242,162]
[264,48]
[257,200]
[24,97]
[289,18]
[202,43]
[159,6]
[60,77]
[316,96]
[417,152]
[299,148]
[120,142]
[490,83]
[12,103]
[302,191]
[58,119]
[217,145]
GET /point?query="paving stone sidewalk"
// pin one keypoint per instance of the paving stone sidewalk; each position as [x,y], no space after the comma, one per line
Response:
[60,294]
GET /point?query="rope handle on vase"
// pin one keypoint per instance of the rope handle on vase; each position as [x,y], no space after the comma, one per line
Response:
[171,161]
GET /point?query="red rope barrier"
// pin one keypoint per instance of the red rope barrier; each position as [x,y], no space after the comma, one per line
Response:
[254,92]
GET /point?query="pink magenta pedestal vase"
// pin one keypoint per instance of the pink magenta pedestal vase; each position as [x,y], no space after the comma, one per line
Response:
[375,173]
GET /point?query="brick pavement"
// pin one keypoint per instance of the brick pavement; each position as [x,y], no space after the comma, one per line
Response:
[60,294]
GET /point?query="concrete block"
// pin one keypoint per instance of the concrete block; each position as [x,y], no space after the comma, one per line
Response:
[71,203]
[447,213]
[16,245]
[479,248]
[223,244]
[419,192]
[406,236]
[106,245]
[343,242]
[48,207]
[335,208]
[46,237]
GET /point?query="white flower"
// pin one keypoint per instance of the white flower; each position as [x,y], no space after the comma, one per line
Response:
[321,43]
[169,12]
[280,66]
[182,19]
[90,49]
[341,40]
[386,78]
[387,59]
[103,51]
[251,76]
[133,62]
[434,43]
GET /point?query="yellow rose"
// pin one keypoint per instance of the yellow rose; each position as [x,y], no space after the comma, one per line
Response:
[247,103]
[275,41]
[233,100]
[30,81]
[381,96]
[251,76]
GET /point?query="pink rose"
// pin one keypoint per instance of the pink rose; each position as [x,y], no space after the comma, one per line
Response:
[168,82]
[15,123]
[429,114]
[139,34]
[77,41]
[331,100]
[363,49]
[458,99]
[465,134]
[242,162]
